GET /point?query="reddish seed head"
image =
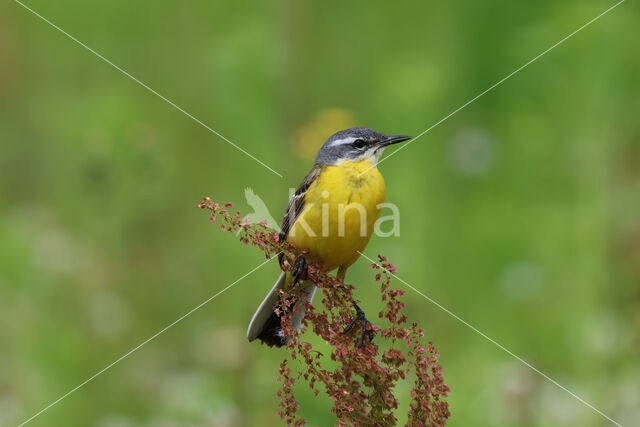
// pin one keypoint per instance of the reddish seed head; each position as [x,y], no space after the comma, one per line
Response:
[361,385]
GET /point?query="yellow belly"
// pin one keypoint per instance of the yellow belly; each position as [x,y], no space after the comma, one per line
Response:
[341,207]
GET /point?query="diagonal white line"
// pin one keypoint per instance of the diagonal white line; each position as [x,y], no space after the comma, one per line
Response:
[133,350]
[505,78]
[497,344]
[147,87]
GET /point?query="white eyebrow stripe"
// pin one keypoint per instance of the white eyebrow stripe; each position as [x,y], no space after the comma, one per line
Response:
[342,141]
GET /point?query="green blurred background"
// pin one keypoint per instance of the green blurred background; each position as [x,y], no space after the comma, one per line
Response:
[519,214]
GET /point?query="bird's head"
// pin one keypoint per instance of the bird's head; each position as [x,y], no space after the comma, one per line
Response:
[355,145]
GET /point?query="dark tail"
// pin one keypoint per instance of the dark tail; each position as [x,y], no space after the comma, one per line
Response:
[272,333]
[265,324]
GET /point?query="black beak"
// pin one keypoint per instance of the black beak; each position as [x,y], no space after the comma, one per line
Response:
[390,140]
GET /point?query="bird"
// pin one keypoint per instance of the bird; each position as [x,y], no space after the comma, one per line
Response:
[330,217]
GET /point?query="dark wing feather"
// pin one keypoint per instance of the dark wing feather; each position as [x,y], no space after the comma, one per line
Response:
[296,204]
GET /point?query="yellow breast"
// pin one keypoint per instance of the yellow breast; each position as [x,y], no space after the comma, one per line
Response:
[341,207]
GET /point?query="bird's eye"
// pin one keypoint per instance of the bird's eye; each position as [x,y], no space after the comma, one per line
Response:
[359,143]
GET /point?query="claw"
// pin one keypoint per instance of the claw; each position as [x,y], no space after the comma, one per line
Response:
[360,317]
[300,271]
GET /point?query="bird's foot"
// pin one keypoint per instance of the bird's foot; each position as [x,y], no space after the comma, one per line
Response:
[366,329]
[300,271]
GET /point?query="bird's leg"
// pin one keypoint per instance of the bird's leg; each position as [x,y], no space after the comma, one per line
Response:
[300,271]
[360,317]
[342,272]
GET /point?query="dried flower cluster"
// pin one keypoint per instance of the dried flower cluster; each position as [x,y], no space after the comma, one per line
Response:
[362,383]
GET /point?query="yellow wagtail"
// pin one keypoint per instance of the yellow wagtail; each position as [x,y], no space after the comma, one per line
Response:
[331,215]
